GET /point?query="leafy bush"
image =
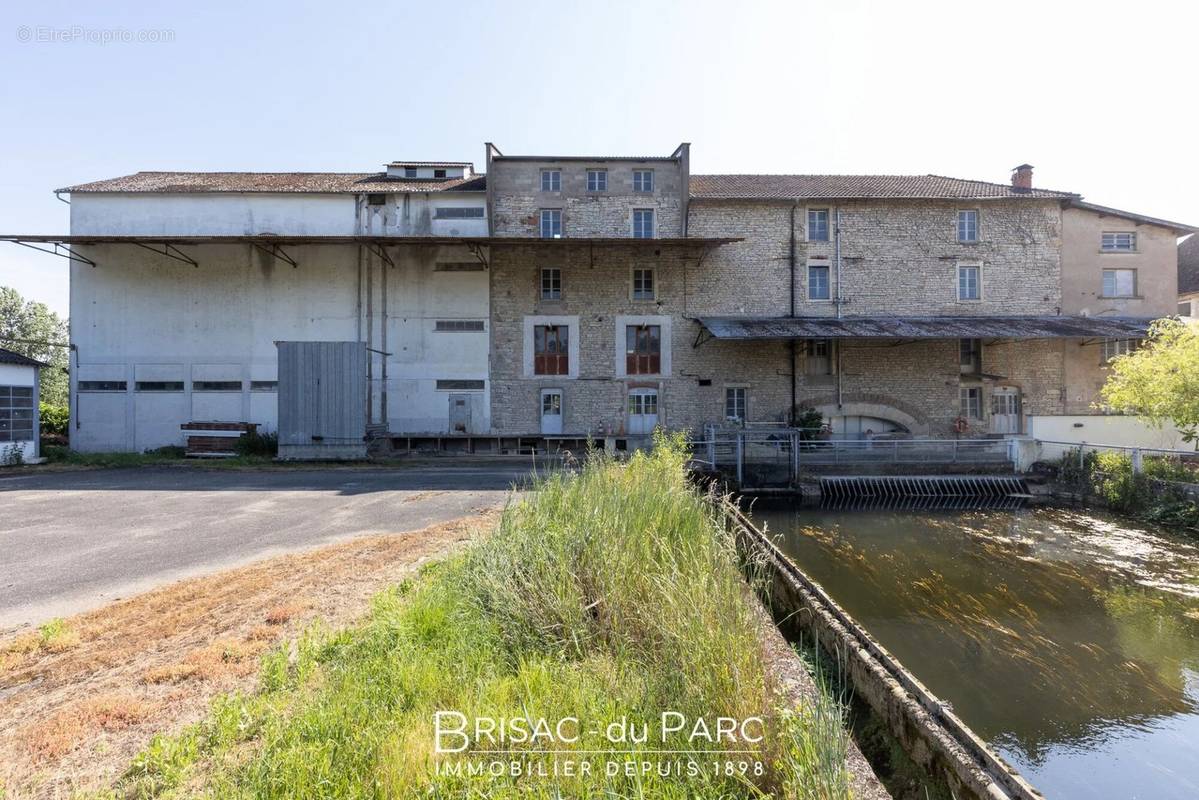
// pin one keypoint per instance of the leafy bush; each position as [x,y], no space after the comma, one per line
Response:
[1156,494]
[55,419]
[258,444]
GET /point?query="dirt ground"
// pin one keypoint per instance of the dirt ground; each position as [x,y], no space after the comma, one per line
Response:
[79,699]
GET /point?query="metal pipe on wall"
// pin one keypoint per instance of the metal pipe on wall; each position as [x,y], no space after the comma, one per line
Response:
[791,342]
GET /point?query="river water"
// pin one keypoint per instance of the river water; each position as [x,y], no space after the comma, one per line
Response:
[1067,640]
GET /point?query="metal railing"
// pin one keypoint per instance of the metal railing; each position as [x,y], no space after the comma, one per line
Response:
[735,450]
[1050,449]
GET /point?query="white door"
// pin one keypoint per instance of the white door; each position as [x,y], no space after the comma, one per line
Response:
[551,412]
[643,410]
[1005,410]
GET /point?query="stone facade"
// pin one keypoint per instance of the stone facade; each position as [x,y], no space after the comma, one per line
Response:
[514,187]
[898,257]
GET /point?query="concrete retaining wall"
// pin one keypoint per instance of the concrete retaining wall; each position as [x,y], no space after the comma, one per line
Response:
[929,732]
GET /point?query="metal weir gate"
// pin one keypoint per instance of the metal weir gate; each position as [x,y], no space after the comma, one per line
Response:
[783,458]
[884,487]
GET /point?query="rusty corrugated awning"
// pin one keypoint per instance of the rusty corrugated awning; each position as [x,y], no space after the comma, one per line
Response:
[1025,327]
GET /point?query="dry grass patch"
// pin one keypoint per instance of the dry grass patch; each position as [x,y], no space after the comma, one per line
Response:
[64,730]
[79,697]
[281,614]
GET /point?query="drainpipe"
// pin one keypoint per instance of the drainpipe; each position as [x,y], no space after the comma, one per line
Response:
[837,299]
[791,341]
[383,342]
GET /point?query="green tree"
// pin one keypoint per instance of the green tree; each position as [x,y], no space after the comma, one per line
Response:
[1160,381]
[33,330]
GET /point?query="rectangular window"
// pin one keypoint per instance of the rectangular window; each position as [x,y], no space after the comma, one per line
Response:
[818,357]
[643,180]
[439,173]
[597,180]
[458,326]
[971,402]
[643,223]
[817,224]
[643,284]
[158,386]
[1119,283]
[551,223]
[970,355]
[409,172]
[264,386]
[818,285]
[967,226]
[551,180]
[551,350]
[643,403]
[643,349]
[551,283]
[216,386]
[458,212]
[734,403]
[16,413]
[376,199]
[1119,242]
[459,385]
[102,386]
[969,282]
[1184,308]
[1118,347]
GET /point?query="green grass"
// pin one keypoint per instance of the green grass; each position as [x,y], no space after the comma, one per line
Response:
[609,595]
[57,454]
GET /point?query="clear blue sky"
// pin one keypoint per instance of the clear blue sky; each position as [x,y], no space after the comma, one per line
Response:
[1097,96]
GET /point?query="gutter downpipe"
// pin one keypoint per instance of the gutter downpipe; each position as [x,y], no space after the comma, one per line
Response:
[837,259]
[791,341]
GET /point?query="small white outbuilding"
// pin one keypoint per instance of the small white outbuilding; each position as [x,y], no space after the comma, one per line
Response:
[19,423]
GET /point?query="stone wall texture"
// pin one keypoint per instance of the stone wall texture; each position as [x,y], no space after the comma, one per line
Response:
[897,258]
[517,198]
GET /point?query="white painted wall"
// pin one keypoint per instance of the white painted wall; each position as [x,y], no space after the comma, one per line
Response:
[213,214]
[1099,429]
[232,214]
[139,316]
[20,375]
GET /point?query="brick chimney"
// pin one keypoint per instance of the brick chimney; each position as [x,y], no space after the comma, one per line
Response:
[1022,178]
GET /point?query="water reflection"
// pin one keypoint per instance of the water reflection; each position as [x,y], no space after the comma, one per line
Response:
[1068,640]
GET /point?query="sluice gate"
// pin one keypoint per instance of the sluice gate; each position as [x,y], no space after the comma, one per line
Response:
[856,488]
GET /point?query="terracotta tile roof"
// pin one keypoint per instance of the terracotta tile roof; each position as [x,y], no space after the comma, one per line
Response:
[319,182]
[1188,264]
[928,187]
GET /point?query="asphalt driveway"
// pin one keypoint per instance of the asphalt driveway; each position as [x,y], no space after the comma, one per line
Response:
[72,541]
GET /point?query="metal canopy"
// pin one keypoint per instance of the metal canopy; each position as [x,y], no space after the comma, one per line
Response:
[1024,327]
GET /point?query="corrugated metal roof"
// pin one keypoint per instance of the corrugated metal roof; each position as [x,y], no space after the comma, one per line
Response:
[9,357]
[1025,327]
[275,182]
[896,187]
